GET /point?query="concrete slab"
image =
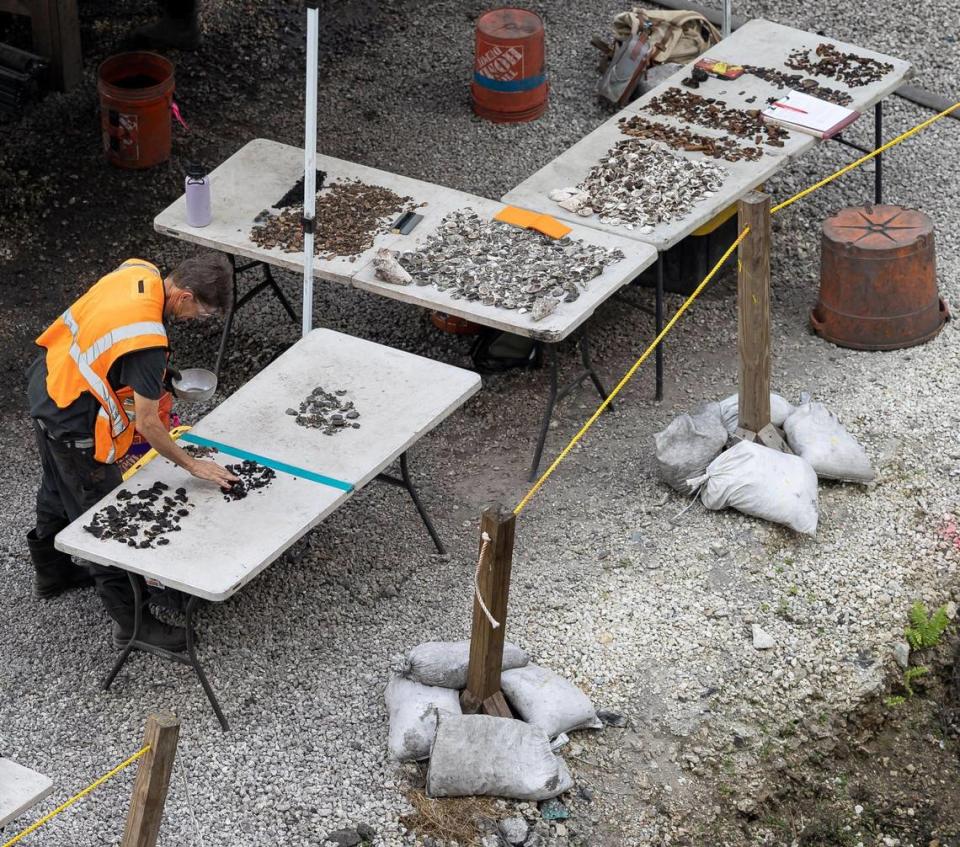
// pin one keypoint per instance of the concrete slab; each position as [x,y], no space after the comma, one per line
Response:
[224,544]
[759,42]
[20,789]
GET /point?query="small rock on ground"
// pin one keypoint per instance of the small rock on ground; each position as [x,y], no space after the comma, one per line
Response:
[345,837]
[514,830]
[762,640]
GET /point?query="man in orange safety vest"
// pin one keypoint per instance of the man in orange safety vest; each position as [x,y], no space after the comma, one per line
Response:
[106,352]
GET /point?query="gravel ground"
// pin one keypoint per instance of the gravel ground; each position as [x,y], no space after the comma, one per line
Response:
[652,620]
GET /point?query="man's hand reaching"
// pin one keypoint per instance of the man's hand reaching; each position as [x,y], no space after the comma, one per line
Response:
[149,425]
[213,472]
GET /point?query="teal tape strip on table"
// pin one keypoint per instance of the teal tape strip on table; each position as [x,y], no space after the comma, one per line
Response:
[293,470]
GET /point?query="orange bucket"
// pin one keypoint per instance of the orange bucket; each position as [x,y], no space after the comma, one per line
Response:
[878,279]
[136,92]
[453,324]
[509,69]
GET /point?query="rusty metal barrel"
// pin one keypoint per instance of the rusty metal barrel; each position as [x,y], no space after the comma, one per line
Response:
[878,279]
[509,73]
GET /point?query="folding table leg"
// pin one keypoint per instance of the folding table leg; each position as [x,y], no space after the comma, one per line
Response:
[227,321]
[406,482]
[192,653]
[237,302]
[877,144]
[589,368]
[556,394]
[137,620]
[550,353]
[659,326]
[178,658]
[278,291]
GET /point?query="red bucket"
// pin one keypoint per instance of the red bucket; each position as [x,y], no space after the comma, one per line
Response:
[136,91]
[509,70]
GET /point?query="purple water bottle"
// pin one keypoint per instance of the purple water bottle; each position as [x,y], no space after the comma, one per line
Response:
[197,189]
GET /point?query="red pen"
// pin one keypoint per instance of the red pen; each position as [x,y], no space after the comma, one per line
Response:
[791,108]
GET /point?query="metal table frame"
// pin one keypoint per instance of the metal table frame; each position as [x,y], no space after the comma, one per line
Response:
[877,199]
[549,349]
[237,302]
[190,657]
[557,394]
[877,144]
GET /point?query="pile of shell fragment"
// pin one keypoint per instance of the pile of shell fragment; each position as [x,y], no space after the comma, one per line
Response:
[502,265]
[639,185]
[251,476]
[143,518]
[325,411]
[349,215]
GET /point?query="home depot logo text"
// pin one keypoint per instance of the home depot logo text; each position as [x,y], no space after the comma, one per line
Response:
[496,62]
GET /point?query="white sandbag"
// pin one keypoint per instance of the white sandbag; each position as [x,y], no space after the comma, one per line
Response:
[483,755]
[413,710]
[765,483]
[780,410]
[688,444]
[444,663]
[814,433]
[548,701]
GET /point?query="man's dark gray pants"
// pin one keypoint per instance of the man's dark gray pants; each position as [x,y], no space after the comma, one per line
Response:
[72,482]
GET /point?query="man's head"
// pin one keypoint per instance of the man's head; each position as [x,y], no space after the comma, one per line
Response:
[199,287]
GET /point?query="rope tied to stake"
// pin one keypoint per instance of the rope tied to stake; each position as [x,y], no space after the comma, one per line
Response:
[79,796]
[485,544]
[669,326]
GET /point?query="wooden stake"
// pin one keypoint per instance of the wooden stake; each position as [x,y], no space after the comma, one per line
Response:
[753,307]
[153,778]
[486,643]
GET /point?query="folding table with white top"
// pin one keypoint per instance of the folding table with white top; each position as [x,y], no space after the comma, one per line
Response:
[261,172]
[223,544]
[20,789]
[759,43]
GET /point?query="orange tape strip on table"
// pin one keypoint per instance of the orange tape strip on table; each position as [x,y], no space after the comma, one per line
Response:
[533,220]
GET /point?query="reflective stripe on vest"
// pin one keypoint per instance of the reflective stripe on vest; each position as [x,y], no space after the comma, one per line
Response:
[85,358]
[112,452]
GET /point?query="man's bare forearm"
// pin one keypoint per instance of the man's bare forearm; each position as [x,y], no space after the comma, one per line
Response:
[158,436]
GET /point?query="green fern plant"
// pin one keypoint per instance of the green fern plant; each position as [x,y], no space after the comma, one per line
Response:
[911,674]
[925,629]
[923,632]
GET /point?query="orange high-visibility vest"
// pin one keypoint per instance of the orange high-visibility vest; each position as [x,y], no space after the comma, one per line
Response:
[121,313]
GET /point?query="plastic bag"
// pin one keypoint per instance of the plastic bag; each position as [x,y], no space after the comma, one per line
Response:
[780,410]
[688,444]
[546,700]
[814,433]
[444,663]
[413,710]
[765,483]
[484,755]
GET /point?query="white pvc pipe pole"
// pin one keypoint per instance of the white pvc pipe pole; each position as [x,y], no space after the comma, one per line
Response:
[310,164]
[727,18]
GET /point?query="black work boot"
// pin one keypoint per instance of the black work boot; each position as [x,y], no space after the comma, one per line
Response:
[179,27]
[54,570]
[167,598]
[154,632]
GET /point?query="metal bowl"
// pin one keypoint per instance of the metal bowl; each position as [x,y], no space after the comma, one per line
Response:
[195,384]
